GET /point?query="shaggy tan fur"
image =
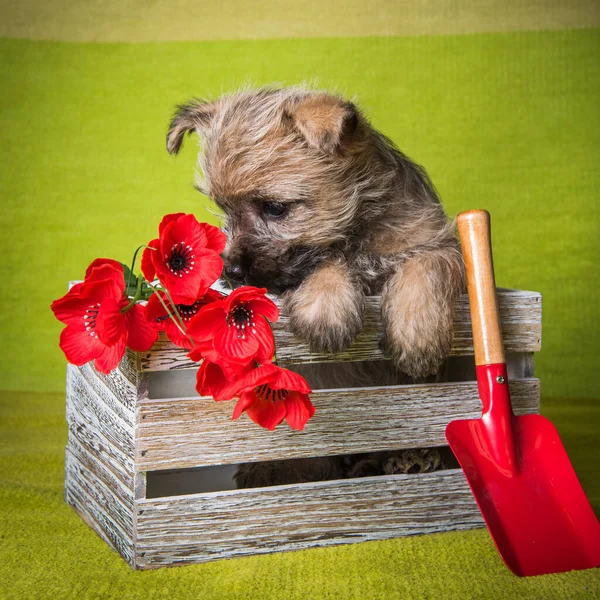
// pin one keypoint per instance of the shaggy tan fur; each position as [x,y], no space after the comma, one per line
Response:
[322,208]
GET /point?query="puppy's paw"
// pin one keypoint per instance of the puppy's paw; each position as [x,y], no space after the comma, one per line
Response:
[326,311]
[419,350]
[423,460]
[417,304]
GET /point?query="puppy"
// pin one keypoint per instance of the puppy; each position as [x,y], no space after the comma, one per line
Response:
[323,209]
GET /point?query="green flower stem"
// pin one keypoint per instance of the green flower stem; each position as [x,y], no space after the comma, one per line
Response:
[133,265]
[138,294]
[173,305]
[171,316]
[181,325]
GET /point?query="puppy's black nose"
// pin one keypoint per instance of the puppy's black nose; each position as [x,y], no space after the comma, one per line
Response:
[234,271]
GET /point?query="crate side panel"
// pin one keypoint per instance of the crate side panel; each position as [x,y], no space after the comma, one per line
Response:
[183,530]
[192,432]
[98,505]
[98,428]
[97,468]
[113,390]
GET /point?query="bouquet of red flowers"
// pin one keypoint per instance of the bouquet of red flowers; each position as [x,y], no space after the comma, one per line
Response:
[230,335]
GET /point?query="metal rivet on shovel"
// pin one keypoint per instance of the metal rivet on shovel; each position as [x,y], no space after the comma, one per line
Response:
[517,467]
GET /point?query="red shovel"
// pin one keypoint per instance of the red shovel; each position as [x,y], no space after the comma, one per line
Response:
[517,467]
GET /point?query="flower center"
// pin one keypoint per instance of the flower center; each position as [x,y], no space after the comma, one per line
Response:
[181,258]
[89,319]
[264,392]
[242,318]
[186,311]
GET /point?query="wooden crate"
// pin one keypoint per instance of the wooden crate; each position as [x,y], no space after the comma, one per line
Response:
[145,420]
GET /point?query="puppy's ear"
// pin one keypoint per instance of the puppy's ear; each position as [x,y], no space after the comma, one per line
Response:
[193,116]
[327,123]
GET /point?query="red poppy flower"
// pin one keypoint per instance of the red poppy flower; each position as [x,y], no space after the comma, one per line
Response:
[140,335]
[232,372]
[158,317]
[96,329]
[185,257]
[237,326]
[212,381]
[270,394]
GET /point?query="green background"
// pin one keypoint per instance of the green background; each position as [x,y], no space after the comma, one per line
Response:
[506,121]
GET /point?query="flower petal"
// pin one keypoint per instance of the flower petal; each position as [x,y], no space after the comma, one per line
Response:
[266,343]
[156,315]
[147,264]
[167,219]
[264,306]
[241,294]
[110,357]
[71,307]
[236,344]
[211,266]
[215,238]
[299,409]
[140,333]
[207,322]
[245,400]
[79,346]
[106,270]
[110,324]
[263,374]
[100,262]
[288,380]
[211,381]
[184,229]
[267,413]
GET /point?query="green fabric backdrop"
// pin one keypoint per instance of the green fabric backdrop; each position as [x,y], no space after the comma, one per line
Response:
[506,121]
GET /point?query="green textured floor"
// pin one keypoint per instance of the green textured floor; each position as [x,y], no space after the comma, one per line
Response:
[506,121]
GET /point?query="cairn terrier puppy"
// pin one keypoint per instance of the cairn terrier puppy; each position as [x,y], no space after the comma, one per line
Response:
[323,209]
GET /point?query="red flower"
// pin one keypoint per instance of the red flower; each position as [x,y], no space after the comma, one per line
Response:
[212,381]
[185,257]
[270,394]
[237,326]
[96,329]
[158,317]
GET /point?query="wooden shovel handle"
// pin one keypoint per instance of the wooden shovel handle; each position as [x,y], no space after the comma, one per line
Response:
[475,239]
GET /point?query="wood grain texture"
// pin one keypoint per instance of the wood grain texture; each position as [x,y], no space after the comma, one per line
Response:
[520,312]
[99,469]
[98,505]
[193,432]
[201,527]
[100,428]
[476,243]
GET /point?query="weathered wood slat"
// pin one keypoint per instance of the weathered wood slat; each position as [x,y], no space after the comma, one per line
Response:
[99,507]
[81,398]
[520,313]
[202,527]
[96,468]
[92,424]
[116,392]
[193,432]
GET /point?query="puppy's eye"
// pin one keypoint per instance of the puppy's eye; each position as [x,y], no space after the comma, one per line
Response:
[274,209]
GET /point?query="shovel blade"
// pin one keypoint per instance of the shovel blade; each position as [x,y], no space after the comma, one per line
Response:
[535,509]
